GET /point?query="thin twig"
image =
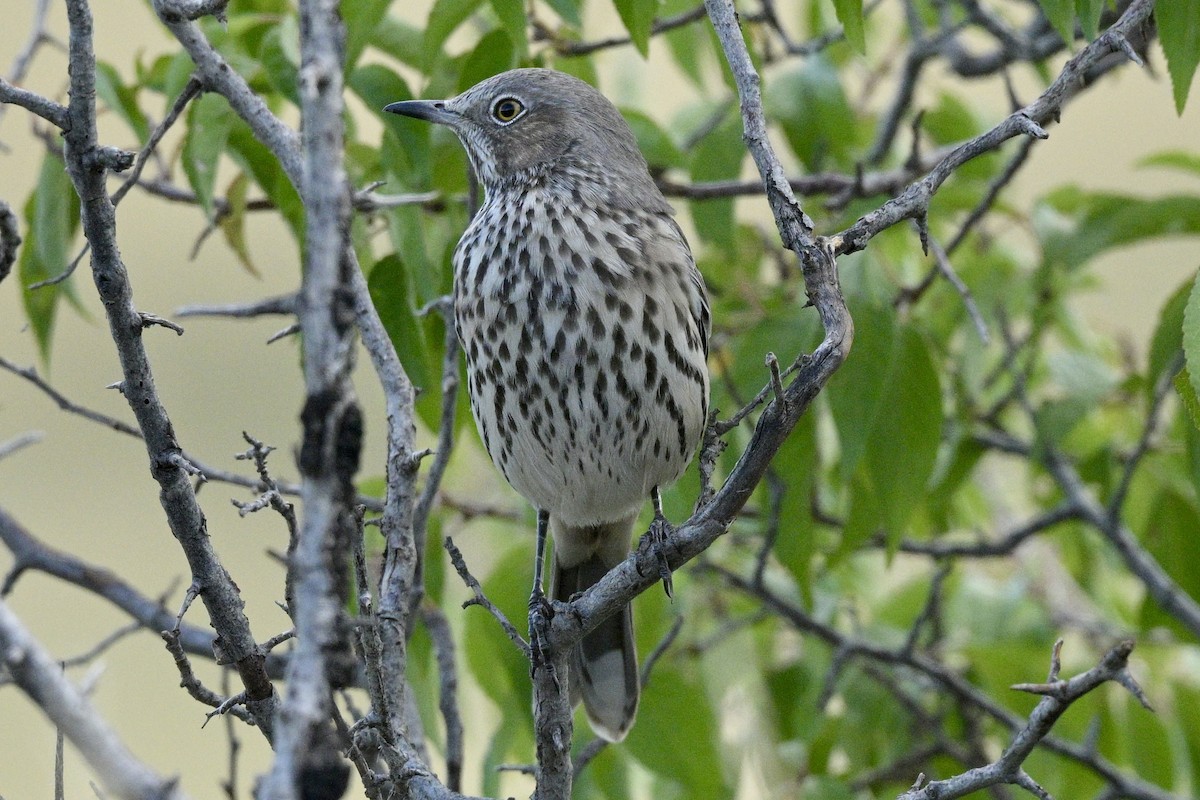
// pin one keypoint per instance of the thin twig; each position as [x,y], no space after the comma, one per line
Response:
[480,599]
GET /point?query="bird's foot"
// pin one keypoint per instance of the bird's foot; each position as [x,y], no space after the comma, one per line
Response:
[656,542]
[541,612]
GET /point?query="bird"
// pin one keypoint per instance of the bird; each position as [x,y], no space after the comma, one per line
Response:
[585,326]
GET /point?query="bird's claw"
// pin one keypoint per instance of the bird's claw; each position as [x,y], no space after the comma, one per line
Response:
[541,612]
[655,541]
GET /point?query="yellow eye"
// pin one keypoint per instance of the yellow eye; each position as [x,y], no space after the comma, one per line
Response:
[506,109]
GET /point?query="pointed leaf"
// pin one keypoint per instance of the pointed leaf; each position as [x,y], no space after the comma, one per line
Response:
[233,224]
[1061,14]
[1181,160]
[850,14]
[257,161]
[361,18]
[51,219]
[1191,335]
[121,98]
[494,54]
[444,19]
[687,754]
[886,404]
[392,295]
[568,10]
[1179,31]
[1097,221]
[718,157]
[401,41]
[812,107]
[1089,12]
[638,18]
[1187,396]
[280,58]
[511,14]
[210,120]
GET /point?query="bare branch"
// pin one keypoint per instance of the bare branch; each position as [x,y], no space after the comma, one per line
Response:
[7,448]
[284,305]
[30,554]
[44,107]
[306,744]
[445,445]
[42,680]
[1007,769]
[177,496]
[480,599]
[10,238]
[914,201]
[191,90]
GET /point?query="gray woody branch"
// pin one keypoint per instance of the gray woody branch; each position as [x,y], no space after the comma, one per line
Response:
[392,617]
[1057,696]
[913,203]
[87,166]
[950,682]
[307,758]
[42,679]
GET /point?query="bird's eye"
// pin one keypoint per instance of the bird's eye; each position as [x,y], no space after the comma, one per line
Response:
[507,109]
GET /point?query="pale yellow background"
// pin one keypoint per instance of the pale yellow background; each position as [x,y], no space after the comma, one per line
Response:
[88,490]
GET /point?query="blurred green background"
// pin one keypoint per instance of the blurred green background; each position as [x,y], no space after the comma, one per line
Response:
[87,490]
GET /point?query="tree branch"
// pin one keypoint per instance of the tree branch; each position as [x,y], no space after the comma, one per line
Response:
[42,680]
[1058,696]
[914,201]
[307,749]
[87,171]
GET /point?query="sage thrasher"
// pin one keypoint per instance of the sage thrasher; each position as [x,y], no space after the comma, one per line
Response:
[585,326]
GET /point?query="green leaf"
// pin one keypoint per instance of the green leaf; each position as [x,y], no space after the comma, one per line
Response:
[210,119]
[1187,396]
[444,19]
[1170,536]
[688,754]
[1179,31]
[494,54]
[1173,159]
[511,14]
[502,672]
[1191,335]
[795,540]
[887,406]
[1168,334]
[950,121]
[568,10]
[391,292]
[1089,12]
[401,41]
[255,159]
[653,141]
[850,14]
[361,18]
[1061,14]
[51,218]
[812,108]
[718,156]
[233,224]
[121,99]
[280,58]
[638,18]
[1076,226]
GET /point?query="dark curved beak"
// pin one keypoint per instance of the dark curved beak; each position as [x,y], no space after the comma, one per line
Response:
[428,110]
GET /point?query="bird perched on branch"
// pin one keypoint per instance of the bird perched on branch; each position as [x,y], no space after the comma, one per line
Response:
[585,326]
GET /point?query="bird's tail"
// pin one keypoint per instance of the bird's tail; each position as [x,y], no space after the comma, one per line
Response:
[603,670]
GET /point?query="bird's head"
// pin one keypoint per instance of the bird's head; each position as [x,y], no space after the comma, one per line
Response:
[526,119]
